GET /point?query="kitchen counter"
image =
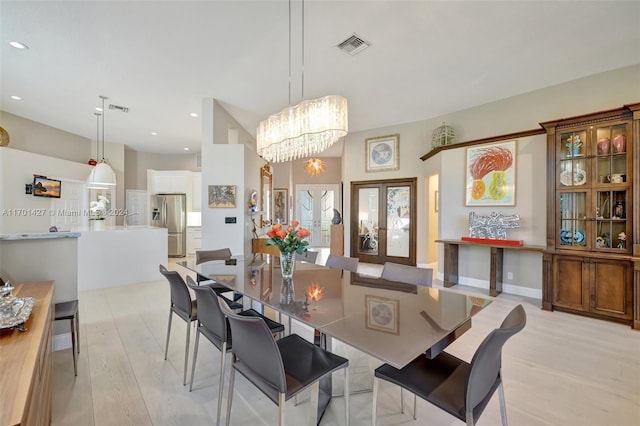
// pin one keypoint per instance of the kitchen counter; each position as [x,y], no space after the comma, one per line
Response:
[38,236]
[119,256]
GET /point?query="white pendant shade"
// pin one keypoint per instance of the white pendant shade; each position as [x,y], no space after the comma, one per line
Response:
[303,130]
[102,175]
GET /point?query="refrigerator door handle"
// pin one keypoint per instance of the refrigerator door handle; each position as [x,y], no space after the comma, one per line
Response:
[164,212]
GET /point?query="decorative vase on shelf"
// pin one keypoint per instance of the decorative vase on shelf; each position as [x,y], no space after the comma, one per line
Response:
[604,145]
[620,144]
[287,264]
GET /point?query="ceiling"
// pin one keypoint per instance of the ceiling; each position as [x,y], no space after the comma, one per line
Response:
[161,58]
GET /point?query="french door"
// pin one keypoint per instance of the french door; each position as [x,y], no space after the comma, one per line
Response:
[383,221]
[314,210]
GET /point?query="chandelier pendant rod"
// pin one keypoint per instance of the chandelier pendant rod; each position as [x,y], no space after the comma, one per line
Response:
[289,52]
[302,80]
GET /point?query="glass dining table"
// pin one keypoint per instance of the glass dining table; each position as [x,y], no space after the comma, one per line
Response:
[391,321]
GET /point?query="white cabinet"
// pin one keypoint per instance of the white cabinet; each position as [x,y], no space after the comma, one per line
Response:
[194,239]
[176,181]
[172,181]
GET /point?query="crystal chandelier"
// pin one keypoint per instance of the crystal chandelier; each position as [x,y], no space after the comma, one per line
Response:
[305,129]
[314,166]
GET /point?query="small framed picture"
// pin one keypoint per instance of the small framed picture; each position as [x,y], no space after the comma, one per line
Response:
[382,314]
[280,205]
[222,196]
[382,153]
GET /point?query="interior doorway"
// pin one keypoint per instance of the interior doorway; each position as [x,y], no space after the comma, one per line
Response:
[314,210]
[383,221]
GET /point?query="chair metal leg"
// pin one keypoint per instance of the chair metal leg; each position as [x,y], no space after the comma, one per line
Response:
[166,348]
[315,392]
[281,404]
[186,354]
[503,407]
[73,347]
[469,416]
[230,396]
[374,405]
[346,395]
[78,330]
[415,407]
[401,401]
[195,357]
[221,385]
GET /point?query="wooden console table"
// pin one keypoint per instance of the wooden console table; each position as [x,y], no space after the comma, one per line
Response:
[495,274]
[25,382]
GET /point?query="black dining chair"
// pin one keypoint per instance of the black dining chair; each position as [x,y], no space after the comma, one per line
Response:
[69,311]
[211,255]
[341,262]
[460,388]
[280,369]
[181,305]
[213,324]
[407,274]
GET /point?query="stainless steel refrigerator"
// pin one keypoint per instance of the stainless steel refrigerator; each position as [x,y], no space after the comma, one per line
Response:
[170,211]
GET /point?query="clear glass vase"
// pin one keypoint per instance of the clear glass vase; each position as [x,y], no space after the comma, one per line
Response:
[287,264]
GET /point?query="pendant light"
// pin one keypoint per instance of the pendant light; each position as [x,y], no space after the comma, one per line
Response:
[305,129]
[102,174]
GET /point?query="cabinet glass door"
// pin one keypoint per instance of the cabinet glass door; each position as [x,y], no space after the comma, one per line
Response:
[611,155]
[611,220]
[573,219]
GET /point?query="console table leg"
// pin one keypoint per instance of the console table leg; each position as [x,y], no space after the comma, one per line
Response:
[495,276]
[450,264]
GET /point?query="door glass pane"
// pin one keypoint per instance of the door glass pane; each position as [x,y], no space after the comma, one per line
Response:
[398,221]
[368,201]
[573,215]
[306,213]
[326,207]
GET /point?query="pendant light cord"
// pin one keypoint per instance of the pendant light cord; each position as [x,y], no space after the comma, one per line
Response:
[103,114]
[97,114]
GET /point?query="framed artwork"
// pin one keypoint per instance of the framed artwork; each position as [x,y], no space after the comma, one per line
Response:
[222,196]
[491,174]
[280,205]
[382,314]
[382,153]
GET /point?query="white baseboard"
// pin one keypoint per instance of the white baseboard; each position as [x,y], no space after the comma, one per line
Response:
[534,293]
[62,341]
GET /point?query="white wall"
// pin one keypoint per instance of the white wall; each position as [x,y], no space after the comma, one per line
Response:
[227,161]
[137,163]
[595,93]
[31,136]
[17,169]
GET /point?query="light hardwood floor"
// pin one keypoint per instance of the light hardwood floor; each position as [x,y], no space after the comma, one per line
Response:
[560,370]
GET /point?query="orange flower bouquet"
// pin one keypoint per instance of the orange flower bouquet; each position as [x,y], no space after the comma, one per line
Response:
[289,239]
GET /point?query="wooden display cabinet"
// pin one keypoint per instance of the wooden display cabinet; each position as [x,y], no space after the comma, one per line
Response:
[592,260]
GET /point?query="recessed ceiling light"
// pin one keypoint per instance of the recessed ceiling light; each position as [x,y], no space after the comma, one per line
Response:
[193,114]
[99,109]
[186,149]
[154,134]
[16,98]
[18,45]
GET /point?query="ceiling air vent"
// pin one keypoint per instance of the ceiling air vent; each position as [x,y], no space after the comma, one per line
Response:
[354,45]
[119,108]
